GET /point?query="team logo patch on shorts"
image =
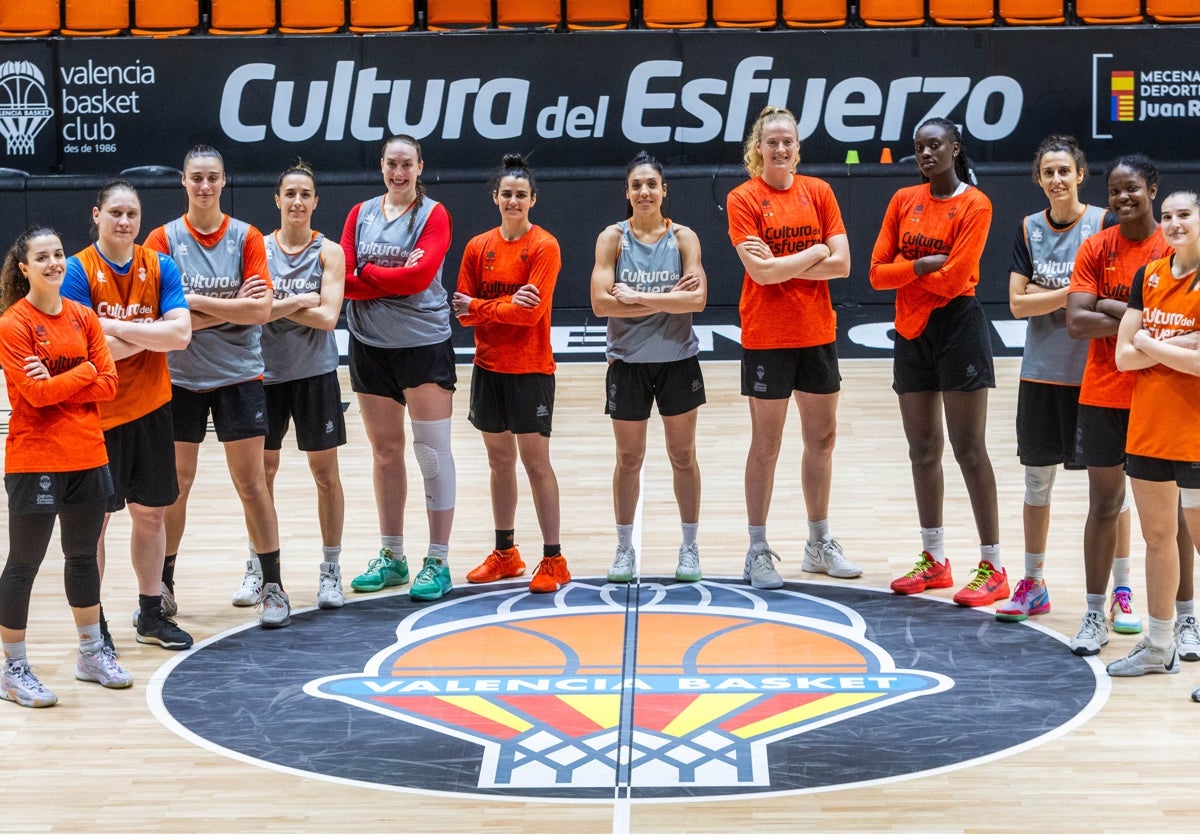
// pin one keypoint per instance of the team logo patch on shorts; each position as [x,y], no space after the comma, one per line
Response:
[672,690]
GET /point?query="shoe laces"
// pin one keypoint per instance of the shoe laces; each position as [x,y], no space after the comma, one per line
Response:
[924,564]
[982,576]
[1092,627]
[1189,630]
[767,558]
[428,572]
[1024,588]
[1123,600]
[689,556]
[24,677]
[272,597]
[548,566]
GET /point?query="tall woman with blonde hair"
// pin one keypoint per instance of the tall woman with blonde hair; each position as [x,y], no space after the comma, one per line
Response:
[788,232]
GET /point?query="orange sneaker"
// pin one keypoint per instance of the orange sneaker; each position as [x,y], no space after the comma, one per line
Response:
[927,574]
[987,587]
[550,574]
[500,564]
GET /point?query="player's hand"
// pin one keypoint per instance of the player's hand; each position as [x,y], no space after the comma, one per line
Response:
[527,296]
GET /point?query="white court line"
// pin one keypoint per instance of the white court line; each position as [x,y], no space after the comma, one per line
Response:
[623,796]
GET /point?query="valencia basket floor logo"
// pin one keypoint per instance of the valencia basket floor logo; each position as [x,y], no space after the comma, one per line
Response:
[666,690]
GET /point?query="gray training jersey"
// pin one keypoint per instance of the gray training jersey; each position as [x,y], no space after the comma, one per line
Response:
[401,320]
[1051,355]
[293,351]
[226,354]
[650,269]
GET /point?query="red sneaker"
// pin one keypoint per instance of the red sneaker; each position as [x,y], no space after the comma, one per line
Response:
[550,574]
[987,587]
[500,564]
[927,574]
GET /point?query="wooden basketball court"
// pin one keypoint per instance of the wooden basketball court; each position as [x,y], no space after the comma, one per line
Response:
[100,761]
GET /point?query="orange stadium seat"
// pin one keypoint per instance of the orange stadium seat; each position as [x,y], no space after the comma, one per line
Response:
[382,15]
[745,14]
[675,14]
[458,14]
[1173,11]
[814,14]
[28,18]
[1033,12]
[892,12]
[161,18]
[95,17]
[963,12]
[242,17]
[528,14]
[299,17]
[1109,11]
[598,14]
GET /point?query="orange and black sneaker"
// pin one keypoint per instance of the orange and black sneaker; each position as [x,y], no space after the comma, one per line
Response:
[988,586]
[550,574]
[927,574]
[500,564]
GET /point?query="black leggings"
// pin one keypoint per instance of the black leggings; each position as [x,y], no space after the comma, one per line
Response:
[29,536]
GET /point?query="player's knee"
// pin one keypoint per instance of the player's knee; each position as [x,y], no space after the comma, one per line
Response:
[1039,481]
[431,444]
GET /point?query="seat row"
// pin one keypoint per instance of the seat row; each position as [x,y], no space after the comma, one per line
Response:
[162,18]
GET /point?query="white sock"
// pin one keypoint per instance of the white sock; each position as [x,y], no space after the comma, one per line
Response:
[991,553]
[1095,603]
[90,640]
[332,554]
[758,537]
[1034,563]
[818,531]
[624,536]
[1162,632]
[439,551]
[394,545]
[15,652]
[255,563]
[1183,608]
[690,529]
[933,541]
[1120,571]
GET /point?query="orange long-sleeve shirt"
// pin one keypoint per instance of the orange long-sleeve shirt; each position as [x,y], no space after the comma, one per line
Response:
[918,225]
[510,338]
[55,423]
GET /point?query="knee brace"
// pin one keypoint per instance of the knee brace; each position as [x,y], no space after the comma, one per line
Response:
[431,443]
[1039,481]
[1189,497]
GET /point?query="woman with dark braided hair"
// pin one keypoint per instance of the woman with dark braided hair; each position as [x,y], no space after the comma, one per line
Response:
[928,250]
[57,367]
[401,356]
[505,291]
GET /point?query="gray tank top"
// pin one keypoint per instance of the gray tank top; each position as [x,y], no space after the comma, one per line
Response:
[1051,355]
[293,351]
[652,269]
[223,355]
[402,320]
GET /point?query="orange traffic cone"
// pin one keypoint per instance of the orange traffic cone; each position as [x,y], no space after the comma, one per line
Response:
[886,157]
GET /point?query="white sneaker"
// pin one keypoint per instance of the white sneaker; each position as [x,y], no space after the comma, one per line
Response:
[827,558]
[688,570]
[276,608]
[624,565]
[18,684]
[329,588]
[1144,659]
[1187,638]
[100,667]
[760,571]
[250,592]
[1092,635]
[169,604]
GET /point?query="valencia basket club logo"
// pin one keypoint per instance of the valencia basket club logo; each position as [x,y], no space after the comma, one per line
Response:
[667,690]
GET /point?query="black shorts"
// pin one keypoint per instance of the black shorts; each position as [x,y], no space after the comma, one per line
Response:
[521,403]
[1100,436]
[953,353]
[315,403]
[390,371]
[1186,474]
[775,374]
[633,387]
[141,459]
[239,412]
[47,492]
[1047,415]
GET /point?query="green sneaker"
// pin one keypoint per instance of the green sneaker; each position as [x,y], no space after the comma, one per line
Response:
[432,582]
[382,572]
